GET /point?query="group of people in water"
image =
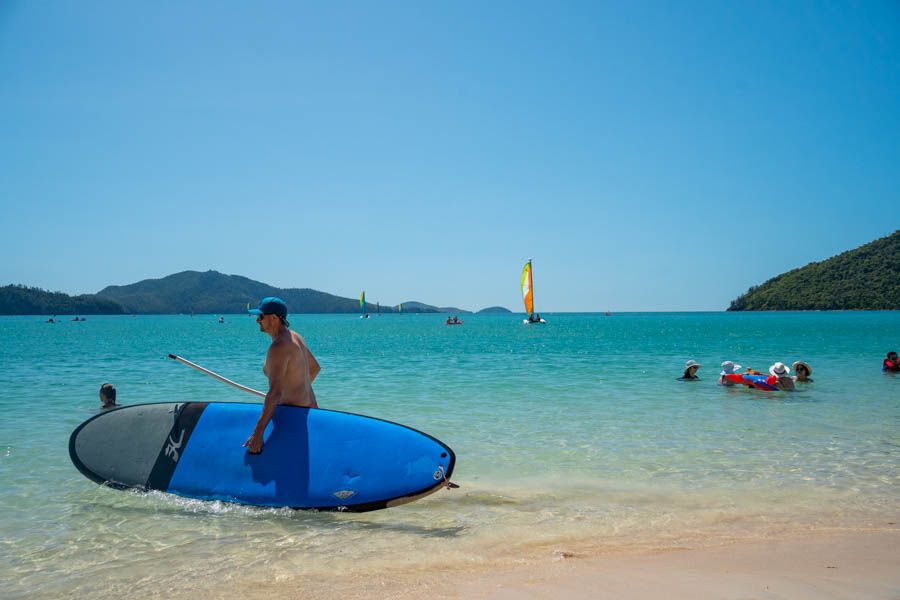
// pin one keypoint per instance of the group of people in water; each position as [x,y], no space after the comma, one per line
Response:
[779,377]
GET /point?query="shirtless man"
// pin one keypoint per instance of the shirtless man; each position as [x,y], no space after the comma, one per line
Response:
[290,367]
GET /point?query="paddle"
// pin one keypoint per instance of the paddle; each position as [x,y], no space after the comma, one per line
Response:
[184,361]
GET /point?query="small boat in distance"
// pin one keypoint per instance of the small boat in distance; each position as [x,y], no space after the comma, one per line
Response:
[454,320]
[607,314]
[528,297]
[362,306]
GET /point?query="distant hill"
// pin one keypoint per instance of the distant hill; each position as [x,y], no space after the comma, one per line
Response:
[493,310]
[411,306]
[421,307]
[207,292]
[214,292]
[21,300]
[867,278]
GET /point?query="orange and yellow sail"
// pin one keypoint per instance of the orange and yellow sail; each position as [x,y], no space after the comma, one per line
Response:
[527,292]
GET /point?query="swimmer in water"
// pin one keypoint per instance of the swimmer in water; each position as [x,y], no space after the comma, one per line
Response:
[728,368]
[690,371]
[783,380]
[107,396]
[803,371]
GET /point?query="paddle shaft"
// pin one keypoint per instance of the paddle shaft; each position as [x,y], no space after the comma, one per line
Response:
[184,361]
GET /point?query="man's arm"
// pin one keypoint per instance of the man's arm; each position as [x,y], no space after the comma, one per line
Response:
[276,363]
[313,366]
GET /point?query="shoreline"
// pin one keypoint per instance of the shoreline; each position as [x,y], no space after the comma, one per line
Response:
[835,564]
[857,564]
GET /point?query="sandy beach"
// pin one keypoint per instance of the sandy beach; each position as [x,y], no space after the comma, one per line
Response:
[834,565]
[817,565]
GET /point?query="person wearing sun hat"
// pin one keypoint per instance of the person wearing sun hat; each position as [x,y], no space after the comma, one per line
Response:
[728,368]
[782,377]
[779,380]
[690,371]
[802,370]
[290,367]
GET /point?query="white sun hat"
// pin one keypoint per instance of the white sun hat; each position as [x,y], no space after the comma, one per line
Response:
[728,368]
[801,363]
[779,369]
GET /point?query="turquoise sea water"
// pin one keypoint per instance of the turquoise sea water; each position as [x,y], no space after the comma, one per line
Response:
[574,436]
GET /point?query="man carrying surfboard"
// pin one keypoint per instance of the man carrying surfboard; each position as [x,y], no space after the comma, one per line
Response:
[290,367]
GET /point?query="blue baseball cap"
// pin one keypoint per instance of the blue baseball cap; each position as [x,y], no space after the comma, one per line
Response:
[270,306]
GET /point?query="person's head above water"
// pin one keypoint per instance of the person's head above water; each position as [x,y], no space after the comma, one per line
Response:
[107,395]
[728,368]
[802,369]
[892,356]
[690,369]
[780,370]
[270,306]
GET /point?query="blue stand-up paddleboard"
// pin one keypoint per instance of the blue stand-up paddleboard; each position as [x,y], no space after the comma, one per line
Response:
[311,458]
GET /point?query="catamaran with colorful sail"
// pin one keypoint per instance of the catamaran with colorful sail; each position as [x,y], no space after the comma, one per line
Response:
[528,296]
[362,306]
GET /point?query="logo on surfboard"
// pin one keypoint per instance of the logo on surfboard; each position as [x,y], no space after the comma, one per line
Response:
[173,447]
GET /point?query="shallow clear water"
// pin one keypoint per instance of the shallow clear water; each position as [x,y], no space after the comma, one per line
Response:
[573,435]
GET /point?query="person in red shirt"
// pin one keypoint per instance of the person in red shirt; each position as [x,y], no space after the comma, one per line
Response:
[891,364]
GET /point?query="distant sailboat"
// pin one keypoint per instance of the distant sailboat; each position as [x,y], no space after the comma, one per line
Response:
[362,306]
[528,296]
[400,308]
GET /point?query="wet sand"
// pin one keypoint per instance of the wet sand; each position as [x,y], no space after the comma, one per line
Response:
[822,566]
[847,565]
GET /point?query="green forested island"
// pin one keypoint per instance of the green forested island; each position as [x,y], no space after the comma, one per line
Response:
[866,278]
[187,292]
[494,310]
[21,300]
[211,292]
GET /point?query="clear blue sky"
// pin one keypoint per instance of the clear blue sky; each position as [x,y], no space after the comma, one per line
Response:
[647,155]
